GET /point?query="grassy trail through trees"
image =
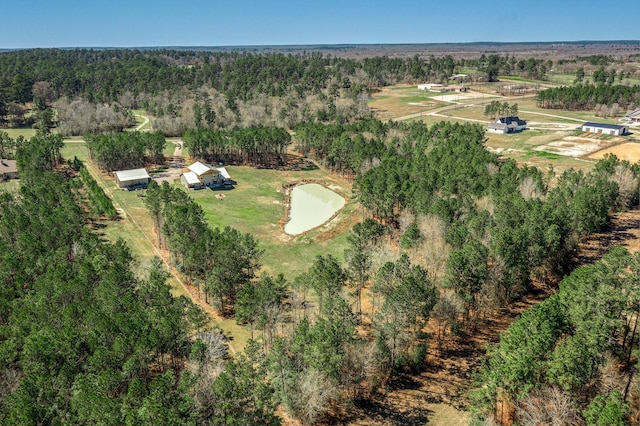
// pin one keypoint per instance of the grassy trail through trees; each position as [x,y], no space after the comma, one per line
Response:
[230,328]
[145,121]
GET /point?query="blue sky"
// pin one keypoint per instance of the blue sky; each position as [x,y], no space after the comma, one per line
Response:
[119,23]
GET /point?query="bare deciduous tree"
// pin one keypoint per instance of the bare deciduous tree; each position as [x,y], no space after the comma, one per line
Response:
[548,406]
[627,185]
[529,188]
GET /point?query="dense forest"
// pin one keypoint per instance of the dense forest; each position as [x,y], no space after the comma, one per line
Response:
[588,97]
[570,358]
[97,90]
[472,230]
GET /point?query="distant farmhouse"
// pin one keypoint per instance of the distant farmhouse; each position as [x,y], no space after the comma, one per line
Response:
[633,116]
[132,179]
[201,175]
[8,169]
[510,124]
[605,129]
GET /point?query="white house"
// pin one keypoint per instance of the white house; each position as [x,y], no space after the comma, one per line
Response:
[605,129]
[132,179]
[190,180]
[201,175]
[511,124]
[633,116]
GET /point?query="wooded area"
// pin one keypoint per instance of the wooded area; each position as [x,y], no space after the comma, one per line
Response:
[450,234]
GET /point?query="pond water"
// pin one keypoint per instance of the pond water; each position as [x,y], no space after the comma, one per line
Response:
[311,206]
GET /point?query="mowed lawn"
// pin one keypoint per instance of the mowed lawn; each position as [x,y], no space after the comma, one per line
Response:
[256,206]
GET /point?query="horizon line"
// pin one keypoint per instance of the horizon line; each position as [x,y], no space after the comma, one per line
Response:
[317,45]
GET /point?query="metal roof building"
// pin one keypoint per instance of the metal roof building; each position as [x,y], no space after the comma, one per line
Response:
[132,178]
[605,129]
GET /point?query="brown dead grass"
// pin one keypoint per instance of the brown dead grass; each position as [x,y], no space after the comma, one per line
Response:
[626,151]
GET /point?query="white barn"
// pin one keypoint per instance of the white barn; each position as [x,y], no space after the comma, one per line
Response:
[131,179]
[605,129]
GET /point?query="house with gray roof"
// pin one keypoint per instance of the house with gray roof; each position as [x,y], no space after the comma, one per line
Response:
[510,124]
[633,116]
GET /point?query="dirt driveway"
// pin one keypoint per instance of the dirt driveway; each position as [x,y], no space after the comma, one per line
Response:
[175,166]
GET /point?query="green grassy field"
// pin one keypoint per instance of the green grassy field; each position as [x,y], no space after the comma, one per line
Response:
[14,133]
[255,206]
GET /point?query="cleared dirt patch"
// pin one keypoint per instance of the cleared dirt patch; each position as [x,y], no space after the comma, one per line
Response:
[570,148]
[626,151]
[582,146]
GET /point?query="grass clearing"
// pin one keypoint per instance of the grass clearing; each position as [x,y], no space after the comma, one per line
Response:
[396,101]
[256,206]
[24,132]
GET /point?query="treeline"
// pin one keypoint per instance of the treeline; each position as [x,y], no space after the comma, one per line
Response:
[125,150]
[571,359]
[495,65]
[588,97]
[218,261]
[262,146]
[104,75]
[350,148]
[99,205]
[79,116]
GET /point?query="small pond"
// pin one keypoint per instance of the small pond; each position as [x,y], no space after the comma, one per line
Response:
[311,205]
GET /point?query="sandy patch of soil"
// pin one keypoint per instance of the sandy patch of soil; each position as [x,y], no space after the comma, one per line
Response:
[423,104]
[592,146]
[463,96]
[569,148]
[625,151]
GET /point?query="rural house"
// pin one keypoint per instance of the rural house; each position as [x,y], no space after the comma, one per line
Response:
[132,179]
[510,124]
[605,129]
[8,169]
[633,116]
[201,175]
